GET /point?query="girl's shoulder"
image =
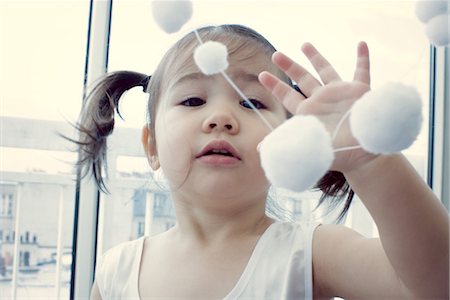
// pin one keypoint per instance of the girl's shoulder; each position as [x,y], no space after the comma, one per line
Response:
[334,233]
[282,256]
[118,265]
[300,229]
[122,252]
[289,236]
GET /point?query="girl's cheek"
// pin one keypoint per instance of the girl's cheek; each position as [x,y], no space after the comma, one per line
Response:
[174,151]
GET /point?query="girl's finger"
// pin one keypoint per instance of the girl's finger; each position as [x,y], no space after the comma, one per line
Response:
[362,71]
[284,93]
[325,70]
[306,82]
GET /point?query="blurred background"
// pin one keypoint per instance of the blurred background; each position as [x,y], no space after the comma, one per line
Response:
[48,55]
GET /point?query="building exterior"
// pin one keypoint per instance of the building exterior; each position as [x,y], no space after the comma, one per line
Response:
[39,187]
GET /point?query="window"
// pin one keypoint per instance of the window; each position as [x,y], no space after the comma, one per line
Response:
[37,180]
[42,57]
[6,205]
[141,227]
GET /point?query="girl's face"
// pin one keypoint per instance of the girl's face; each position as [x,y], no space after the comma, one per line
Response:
[207,136]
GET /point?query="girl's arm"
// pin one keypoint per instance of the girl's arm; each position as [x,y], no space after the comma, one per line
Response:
[411,258]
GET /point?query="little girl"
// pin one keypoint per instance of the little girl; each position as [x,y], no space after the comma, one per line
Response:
[204,137]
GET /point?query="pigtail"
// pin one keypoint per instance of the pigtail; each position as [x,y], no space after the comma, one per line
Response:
[96,121]
[334,188]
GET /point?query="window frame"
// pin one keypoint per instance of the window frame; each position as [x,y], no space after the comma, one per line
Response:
[439,124]
[87,193]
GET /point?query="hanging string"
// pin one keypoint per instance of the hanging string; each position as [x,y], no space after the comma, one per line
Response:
[266,122]
[414,66]
[339,124]
[347,148]
[336,130]
[240,93]
[198,36]
[247,100]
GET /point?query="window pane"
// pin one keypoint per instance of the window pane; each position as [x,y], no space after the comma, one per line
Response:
[399,52]
[42,53]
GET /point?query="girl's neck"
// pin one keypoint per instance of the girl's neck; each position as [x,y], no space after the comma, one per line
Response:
[207,226]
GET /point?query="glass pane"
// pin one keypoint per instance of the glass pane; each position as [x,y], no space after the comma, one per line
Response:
[399,52]
[42,53]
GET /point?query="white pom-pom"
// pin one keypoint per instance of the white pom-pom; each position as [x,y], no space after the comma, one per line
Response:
[171,15]
[437,30]
[211,57]
[387,119]
[426,10]
[297,153]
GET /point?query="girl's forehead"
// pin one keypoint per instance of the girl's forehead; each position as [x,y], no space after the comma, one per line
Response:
[245,60]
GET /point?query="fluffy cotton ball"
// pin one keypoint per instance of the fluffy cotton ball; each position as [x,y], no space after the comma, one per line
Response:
[387,119]
[171,15]
[297,153]
[437,30]
[211,57]
[426,10]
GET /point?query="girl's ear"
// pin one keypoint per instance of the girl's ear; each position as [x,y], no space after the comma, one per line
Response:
[148,141]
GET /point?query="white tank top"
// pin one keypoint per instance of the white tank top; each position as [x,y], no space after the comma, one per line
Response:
[280,267]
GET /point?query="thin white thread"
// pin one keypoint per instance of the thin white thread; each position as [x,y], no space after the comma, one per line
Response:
[336,130]
[408,72]
[198,36]
[347,148]
[236,88]
[247,100]
[341,121]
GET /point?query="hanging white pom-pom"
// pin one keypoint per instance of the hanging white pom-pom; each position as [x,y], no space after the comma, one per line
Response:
[297,153]
[437,30]
[171,15]
[426,10]
[211,57]
[387,119]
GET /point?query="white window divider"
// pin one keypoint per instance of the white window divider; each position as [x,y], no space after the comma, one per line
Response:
[16,235]
[59,243]
[439,145]
[86,207]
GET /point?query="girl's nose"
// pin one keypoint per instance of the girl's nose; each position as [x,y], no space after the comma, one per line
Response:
[221,121]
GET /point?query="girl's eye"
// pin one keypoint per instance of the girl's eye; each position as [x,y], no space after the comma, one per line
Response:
[193,102]
[257,104]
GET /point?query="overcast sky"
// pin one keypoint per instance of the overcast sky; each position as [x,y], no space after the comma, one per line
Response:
[43,42]
[43,45]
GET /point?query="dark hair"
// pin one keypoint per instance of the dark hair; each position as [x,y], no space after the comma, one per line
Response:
[96,121]
[334,188]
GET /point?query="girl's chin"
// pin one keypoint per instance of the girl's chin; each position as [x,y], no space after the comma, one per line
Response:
[220,189]
[228,189]
[224,184]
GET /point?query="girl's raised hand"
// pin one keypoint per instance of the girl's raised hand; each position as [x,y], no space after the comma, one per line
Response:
[328,99]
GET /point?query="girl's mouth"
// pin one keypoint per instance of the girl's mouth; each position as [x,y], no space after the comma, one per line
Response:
[219,152]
